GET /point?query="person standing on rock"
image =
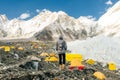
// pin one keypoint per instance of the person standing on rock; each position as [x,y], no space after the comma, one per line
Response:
[61,48]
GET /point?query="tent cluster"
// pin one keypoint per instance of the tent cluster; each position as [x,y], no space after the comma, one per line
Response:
[52,57]
[76,61]
[9,48]
[35,45]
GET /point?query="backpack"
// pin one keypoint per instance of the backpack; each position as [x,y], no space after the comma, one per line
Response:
[61,47]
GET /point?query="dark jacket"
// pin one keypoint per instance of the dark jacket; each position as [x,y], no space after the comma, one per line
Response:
[61,46]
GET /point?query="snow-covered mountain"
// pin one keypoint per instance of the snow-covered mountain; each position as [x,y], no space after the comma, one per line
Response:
[89,24]
[47,25]
[104,47]
[3,20]
[109,23]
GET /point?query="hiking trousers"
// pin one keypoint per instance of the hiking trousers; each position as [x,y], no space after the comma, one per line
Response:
[62,59]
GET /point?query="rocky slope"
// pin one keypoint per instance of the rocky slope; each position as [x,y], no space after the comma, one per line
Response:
[29,65]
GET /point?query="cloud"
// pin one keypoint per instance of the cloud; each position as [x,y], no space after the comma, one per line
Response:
[109,2]
[37,10]
[91,17]
[24,16]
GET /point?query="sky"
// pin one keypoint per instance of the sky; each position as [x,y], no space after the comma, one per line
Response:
[26,9]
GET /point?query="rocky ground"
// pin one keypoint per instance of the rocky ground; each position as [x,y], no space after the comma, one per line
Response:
[28,65]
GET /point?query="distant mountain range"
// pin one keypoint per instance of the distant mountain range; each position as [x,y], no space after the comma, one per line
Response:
[49,25]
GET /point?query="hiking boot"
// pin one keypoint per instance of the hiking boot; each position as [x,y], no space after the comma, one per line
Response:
[63,66]
[60,67]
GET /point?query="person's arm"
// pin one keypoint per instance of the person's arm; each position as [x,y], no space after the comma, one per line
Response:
[65,46]
[56,46]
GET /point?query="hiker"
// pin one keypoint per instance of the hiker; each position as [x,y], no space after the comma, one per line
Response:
[61,48]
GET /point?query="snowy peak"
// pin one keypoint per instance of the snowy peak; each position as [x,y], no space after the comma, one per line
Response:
[46,23]
[111,16]
[110,21]
[115,8]
[3,21]
[89,24]
[3,18]
[61,23]
[56,23]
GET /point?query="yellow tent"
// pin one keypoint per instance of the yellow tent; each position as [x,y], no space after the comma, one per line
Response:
[75,63]
[112,66]
[44,54]
[90,61]
[35,46]
[1,47]
[47,58]
[35,58]
[13,47]
[33,43]
[51,59]
[20,48]
[71,56]
[52,54]
[43,45]
[99,75]
[6,48]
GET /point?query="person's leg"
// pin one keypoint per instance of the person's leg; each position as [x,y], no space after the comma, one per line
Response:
[63,61]
[64,58]
[60,59]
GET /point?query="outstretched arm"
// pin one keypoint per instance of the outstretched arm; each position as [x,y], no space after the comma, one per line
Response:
[56,46]
[65,46]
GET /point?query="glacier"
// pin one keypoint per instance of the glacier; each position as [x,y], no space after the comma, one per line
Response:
[100,48]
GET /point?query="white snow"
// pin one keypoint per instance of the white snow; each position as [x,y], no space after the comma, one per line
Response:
[89,23]
[109,23]
[111,16]
[3,21]
[56,22]
[100,48]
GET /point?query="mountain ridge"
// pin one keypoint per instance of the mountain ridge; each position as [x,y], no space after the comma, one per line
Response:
[49,25]
[56,22]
